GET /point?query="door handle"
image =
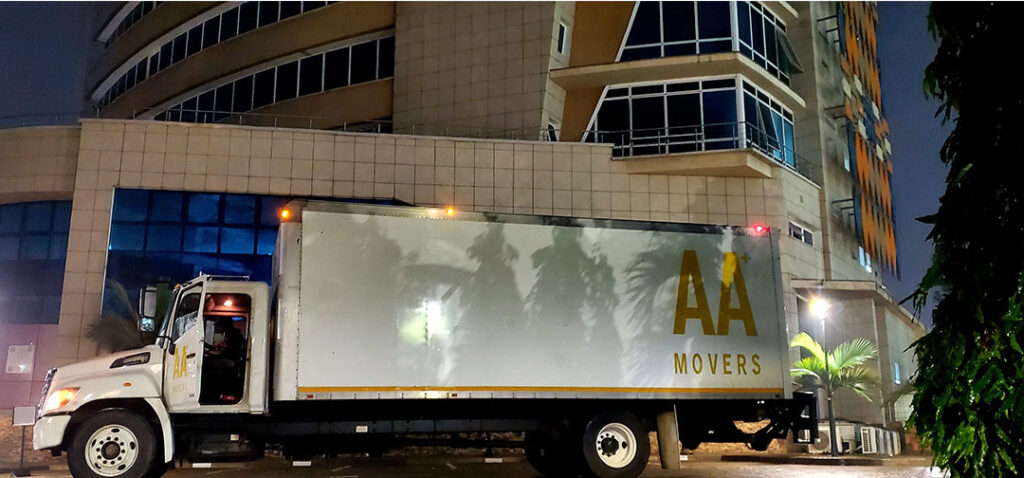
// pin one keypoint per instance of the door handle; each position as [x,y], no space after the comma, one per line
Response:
[191,355]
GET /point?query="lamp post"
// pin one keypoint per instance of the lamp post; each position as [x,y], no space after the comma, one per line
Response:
[819,307]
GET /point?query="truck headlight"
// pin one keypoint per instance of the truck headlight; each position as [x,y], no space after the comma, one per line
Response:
[59,398]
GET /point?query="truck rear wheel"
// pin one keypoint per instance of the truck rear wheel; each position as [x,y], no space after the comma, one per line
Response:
[615,445]
[113,443]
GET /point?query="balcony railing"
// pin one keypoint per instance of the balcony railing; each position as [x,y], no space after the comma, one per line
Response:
[701,138]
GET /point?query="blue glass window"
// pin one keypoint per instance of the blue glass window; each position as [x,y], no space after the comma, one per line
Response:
[239,209]
[33,245]
[201,238]
[166,206]
[236,240]
[163,238]
[203,208]
[664,29]
[127,237]
[130,206]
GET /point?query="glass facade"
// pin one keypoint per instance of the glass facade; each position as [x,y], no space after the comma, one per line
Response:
[133,16]
[359,63]
[33,246]
[687,116]
[172,236]
[666,29]
[236,21]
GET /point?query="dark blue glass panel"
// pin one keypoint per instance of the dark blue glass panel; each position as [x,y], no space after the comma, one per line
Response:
[247,16]
[127,237]
[203,208]
[201,238]
[10,218]
[630,54]
[678,20]
[720,114]
[37,216]
[58,246]
[386,62]
[681,49]
[51,309]
[166,206]
[713,18]
[236,240]
[789,154]
[62,216]
[130,205]
[229,24]
[163,238]
[9,248]
[336,69]
[311,73]
[239,209]
[34,246]
[364,62]
[268,12]
[287,81]
[265,245]
[743,19]
[290,9]
[718,46]
[646,26]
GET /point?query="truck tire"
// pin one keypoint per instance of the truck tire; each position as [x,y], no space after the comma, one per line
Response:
[616,445]
[113,443]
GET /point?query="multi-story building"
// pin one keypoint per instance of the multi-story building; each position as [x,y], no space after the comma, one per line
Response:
[206,116]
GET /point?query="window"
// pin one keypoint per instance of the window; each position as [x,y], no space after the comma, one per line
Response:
[552,132]
[668,118]
[130,19]
[185,315]
[896,377]
[664,29]
[369,61]
[233,22]
[769,125]
[801,233]
[33,245]
[562,30]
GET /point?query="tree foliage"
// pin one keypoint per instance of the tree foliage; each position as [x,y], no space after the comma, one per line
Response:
[845,365]
[970,381]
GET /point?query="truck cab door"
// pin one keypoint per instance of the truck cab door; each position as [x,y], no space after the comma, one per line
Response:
[183,359]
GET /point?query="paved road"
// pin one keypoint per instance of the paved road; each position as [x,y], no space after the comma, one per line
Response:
[458,468]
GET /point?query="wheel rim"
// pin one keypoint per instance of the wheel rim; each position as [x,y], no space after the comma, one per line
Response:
[112,450]
[616,445]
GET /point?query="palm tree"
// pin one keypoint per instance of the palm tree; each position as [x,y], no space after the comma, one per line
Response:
[845,365]
[116,328]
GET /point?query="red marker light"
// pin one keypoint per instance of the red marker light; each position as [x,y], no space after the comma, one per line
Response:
[759,229]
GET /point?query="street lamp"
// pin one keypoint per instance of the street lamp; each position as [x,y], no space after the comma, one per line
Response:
[819,307]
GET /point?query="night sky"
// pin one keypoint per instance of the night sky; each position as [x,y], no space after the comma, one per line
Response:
[43,49]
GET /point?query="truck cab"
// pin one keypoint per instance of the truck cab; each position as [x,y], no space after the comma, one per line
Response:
[113,413]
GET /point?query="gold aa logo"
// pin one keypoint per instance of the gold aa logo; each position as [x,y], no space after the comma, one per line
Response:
[732,277]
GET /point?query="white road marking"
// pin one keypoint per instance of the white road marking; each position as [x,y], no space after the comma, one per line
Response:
[335,470]
[451,466]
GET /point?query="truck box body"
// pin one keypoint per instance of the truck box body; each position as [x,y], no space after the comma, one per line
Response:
[411,303]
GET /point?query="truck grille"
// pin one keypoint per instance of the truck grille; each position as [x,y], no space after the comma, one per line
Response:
[46,389]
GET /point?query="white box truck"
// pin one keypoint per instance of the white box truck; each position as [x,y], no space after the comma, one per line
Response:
[391,325]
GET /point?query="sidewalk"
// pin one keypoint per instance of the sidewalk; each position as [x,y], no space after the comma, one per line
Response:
[844,460]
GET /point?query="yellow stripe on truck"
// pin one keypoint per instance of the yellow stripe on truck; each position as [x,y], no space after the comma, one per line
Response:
[777,391]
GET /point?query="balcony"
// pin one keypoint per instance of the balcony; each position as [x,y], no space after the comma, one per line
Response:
[722,149]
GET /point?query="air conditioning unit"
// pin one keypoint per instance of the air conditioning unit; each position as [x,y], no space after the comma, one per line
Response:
[869,440]
[847,436]
[823,444]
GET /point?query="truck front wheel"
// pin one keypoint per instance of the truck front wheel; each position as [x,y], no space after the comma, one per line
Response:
[113,443]
[615,445]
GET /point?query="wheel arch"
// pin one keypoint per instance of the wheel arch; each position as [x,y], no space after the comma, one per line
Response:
[150,409]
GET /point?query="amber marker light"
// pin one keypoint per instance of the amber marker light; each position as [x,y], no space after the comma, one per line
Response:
[450,211]
[285,214]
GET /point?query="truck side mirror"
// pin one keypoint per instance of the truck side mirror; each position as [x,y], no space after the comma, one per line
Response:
[147,303]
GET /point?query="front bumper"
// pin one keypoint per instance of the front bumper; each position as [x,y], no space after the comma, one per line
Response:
[48,432]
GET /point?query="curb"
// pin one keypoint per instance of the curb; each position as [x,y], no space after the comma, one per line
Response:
[823,461]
